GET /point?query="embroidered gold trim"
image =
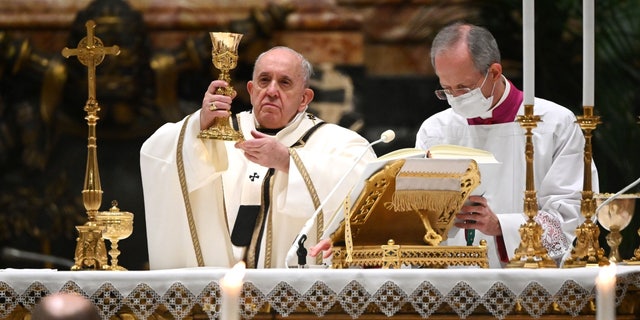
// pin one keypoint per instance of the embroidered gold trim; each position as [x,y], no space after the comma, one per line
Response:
[269,244]
[185,194]
[314,195]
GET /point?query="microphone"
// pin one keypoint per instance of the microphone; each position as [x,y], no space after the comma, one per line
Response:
[385,137]
[298,244]
[17,254]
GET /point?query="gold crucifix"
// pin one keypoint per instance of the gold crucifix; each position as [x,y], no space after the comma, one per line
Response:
[91,52]
[90,249]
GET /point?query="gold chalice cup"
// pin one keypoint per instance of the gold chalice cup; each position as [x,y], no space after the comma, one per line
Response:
[117,225]
[225,58]
[615,215]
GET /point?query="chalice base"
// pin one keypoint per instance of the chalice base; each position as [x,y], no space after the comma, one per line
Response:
[580,264]
[118,268]
[221,130]
[531,263]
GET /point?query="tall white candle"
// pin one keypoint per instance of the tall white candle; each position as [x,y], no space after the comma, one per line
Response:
[528,51]
[588,43]
[606,293]
[231,286]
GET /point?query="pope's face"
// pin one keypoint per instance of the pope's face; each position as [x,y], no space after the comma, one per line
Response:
[277,89]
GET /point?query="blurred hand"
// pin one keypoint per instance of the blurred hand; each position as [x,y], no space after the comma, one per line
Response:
[322,246]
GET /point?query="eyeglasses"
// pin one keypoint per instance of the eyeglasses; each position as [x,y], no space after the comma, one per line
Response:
[443,93]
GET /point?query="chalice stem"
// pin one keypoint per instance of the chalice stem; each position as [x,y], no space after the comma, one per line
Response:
[614,238]
[114,253]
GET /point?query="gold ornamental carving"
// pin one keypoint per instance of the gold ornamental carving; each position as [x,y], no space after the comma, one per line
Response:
[90,253]
[225,58]
[117,225]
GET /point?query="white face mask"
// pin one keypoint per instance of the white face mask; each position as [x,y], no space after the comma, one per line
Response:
[473,104]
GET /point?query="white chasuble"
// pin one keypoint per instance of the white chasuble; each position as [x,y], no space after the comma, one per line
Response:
[219,182]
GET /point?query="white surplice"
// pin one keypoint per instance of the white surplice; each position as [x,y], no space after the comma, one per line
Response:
[558,144]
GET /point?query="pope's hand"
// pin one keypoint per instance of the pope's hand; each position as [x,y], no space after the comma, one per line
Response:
[214,105]
[266,151]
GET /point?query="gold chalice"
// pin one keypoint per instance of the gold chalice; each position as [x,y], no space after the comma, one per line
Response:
[117,225]
[615,215]
[225,57]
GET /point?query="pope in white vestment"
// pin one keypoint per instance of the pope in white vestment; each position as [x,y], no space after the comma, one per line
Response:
[220,179]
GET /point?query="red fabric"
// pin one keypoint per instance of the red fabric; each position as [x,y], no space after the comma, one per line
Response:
[502,249]
[504,112]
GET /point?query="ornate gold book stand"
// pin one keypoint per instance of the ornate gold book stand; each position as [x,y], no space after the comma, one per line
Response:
[401,215]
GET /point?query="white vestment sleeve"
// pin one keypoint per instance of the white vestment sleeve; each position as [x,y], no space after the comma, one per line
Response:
[169,241]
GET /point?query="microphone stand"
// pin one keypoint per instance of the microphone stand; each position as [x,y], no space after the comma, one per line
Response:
[298,243]
[302,252]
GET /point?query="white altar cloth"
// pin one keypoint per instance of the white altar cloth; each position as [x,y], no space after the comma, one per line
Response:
[276,287]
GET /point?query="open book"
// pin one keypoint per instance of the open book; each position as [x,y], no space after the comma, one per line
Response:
[487,163]
[450,151]
[442,151]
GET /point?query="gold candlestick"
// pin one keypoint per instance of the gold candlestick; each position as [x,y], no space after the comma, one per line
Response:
[587,251]
[530,253]
[225,58]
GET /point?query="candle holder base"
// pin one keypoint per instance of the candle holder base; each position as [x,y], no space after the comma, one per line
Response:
[531,254]
[587,252]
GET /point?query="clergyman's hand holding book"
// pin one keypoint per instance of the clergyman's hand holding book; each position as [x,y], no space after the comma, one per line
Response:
[443,169]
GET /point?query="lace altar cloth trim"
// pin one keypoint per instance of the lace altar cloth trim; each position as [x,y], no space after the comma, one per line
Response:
[319,299]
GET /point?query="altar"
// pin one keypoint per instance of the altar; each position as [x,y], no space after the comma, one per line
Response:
[329,293]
